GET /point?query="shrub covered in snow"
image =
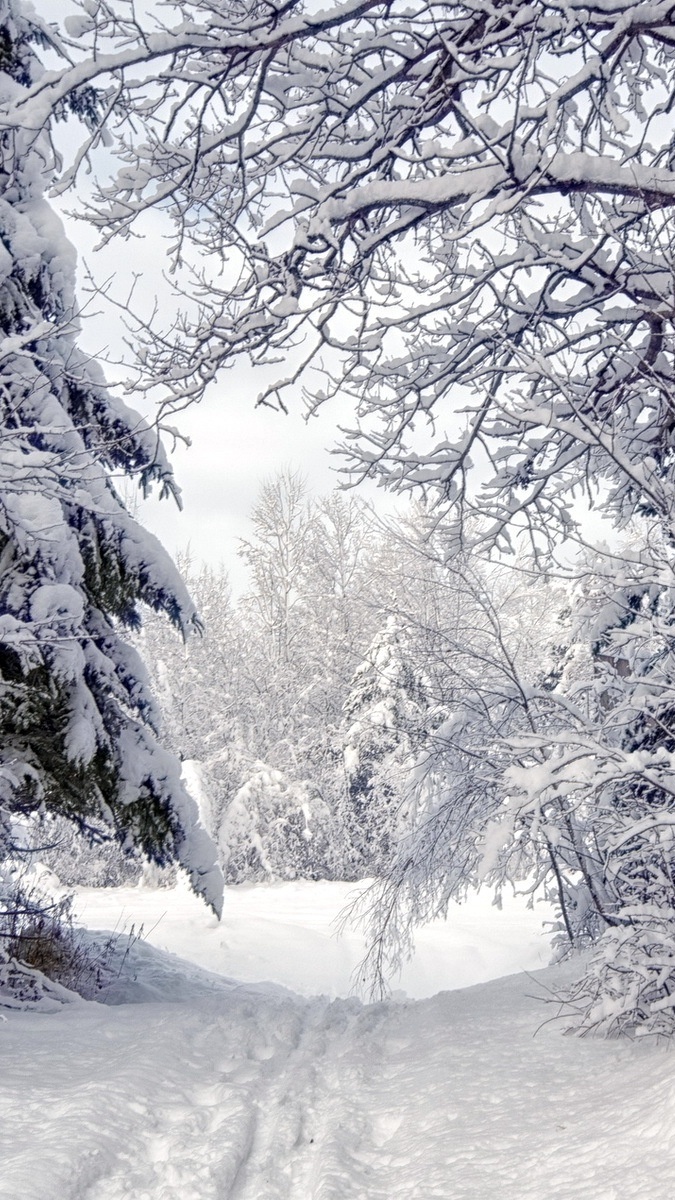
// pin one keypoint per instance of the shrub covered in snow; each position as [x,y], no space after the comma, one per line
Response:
[386,722]
[275,828]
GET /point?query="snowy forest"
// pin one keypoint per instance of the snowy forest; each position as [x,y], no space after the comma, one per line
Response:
[457,220]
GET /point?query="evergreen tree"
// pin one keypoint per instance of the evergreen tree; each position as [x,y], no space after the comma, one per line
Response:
[605,787]
[386,714]
[77,720]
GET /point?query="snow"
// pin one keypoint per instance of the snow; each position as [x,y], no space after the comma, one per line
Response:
[211,1089]
[288,933]
[56,602]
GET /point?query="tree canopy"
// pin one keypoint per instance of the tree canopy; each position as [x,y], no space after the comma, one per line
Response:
[457,213]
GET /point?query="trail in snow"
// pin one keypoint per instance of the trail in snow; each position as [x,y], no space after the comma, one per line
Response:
[252,1093]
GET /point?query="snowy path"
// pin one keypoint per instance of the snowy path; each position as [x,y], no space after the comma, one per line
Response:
[252,1093]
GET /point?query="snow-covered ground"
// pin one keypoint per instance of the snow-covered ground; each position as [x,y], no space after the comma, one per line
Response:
[211,1089]
[287,933]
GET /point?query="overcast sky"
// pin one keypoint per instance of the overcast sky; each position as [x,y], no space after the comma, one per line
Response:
[235,445]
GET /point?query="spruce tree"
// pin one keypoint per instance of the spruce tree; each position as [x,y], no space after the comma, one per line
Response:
[385,718]
[77,720]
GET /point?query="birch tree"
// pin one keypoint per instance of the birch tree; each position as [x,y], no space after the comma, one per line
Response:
[456,214]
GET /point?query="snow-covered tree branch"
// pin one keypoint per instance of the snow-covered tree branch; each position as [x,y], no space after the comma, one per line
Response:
[456,214]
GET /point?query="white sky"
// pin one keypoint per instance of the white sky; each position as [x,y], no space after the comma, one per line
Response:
[235,445]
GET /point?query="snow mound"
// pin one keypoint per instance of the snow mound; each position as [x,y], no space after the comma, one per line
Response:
[138,973]
[287,933]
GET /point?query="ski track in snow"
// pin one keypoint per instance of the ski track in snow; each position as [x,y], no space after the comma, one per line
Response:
[252,1093]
